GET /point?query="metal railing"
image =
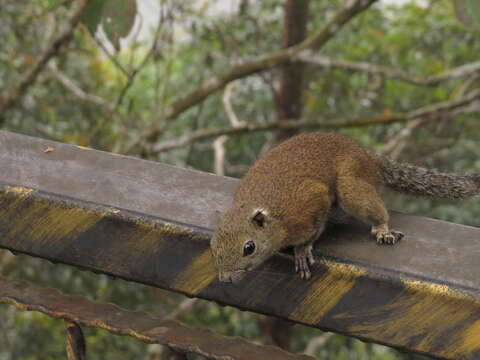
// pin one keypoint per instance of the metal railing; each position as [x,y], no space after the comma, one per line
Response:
[150,223]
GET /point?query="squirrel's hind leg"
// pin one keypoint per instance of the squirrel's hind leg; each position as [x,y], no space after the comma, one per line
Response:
[361,200]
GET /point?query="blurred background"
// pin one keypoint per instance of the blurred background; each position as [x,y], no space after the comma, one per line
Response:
[180,82]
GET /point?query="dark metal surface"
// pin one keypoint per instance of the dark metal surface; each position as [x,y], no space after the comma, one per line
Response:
[78,310]
[164,191]
[150,223]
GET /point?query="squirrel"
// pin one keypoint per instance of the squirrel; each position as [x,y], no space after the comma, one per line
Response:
[288,195]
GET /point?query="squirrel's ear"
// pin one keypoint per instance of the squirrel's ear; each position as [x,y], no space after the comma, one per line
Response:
[259,218]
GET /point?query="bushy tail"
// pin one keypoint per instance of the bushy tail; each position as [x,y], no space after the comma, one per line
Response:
[419,181]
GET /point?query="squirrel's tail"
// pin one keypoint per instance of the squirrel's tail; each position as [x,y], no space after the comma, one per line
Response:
[419,181]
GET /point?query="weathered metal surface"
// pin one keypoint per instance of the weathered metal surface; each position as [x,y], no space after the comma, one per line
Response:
[76,347]
[150,223]
[78,310]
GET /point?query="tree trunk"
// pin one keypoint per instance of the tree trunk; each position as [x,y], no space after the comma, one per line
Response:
[290,93]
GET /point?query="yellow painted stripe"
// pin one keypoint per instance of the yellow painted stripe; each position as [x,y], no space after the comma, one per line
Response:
[326,292]
[199,274]
[427,312]
[42,220]
[468,341]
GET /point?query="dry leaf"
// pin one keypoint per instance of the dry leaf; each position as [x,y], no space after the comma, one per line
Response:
[48,149]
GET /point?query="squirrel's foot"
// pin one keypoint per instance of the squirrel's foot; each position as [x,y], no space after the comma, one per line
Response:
[303,258]
[386,236]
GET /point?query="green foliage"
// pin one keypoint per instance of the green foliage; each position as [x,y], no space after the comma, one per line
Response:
[468,12]
[196,42]
[93,15]
[116,16]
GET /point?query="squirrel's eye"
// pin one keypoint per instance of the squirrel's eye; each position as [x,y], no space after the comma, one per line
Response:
[259,219]
[248,248]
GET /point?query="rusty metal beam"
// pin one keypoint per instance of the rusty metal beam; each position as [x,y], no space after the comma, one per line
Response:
[78,310]
[150,223]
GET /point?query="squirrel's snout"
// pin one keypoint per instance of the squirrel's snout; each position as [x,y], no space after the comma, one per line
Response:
[224,277]
[231,276]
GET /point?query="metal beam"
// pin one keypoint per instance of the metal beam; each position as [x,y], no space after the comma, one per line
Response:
[78,310]
[150,223]
[76,347]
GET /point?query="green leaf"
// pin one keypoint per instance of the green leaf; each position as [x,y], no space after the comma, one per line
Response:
[93,15]
[118,17]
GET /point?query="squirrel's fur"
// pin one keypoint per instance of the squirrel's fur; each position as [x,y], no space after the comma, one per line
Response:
[287,196]
[415,180]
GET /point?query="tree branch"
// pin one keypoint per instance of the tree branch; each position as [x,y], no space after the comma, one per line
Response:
[389,72]
[219,143]
[76,90]
[265,62]
[426,110]
[219,155]
[29,77]
[395,145]
[227,104]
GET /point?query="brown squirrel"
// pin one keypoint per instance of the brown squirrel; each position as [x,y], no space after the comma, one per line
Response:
[288,195]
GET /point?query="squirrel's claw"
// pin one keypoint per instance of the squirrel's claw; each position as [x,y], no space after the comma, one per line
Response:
[303,258]
[386,236]
[390,238]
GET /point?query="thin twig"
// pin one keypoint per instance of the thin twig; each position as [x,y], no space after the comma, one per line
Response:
[227,104]
[438,107]
[133,74]
[134,39]
[262,63]
[219,154]
[219,143]
[111,57]
[52,50]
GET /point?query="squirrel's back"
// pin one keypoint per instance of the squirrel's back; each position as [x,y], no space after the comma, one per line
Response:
[314,156]
[320,156]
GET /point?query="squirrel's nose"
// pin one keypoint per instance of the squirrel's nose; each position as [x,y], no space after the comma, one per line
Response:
[232,276]
[225,276]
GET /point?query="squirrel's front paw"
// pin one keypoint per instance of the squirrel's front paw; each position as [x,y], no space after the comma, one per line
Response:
[303,258]
[386,236]
[389,238]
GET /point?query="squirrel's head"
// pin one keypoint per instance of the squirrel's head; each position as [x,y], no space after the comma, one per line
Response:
[245,237]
